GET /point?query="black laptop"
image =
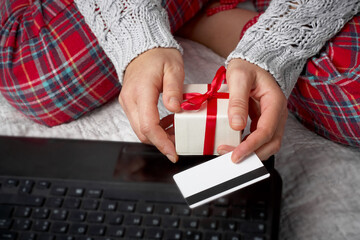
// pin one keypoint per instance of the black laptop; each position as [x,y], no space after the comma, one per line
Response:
[53,189]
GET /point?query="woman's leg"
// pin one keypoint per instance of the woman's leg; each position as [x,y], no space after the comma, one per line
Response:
[52,69]
[326,98]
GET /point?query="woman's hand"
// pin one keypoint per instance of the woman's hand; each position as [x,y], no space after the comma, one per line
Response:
[155,71]
[254,92]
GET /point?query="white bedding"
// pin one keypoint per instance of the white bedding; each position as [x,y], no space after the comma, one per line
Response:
[321,194]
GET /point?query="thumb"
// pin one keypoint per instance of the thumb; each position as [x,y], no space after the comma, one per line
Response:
[173,88]
[239,90]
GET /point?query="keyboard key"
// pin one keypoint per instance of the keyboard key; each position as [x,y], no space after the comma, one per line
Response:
[58,191]
[224,202]
[59,214]
[45,237]
[108,205]
[11,183]
[253,227]
[79,229]
[171,222]
[116,231]
[239,213]
[90,204]
[114,218]
[22,212]
[153,221]
[202,211]
[173,234]
[72,203]
[21,200]
[96,217]
[94,193]
[192,235]
[41,213]
[190,223]
[154,233]
[77,216]
[22,224]
[229,225]
[41,226]
[76,192]
[183,210]
[97,230]
[258,214]
[164,209]
[7,235]
[133,220]
[209,224]
[233,236]
[253,238]
[127,207]
[59,227]
[146,208]
[62,237]
[135,232]
[220,212]
[28,236]
[54,202]
[43,185]
[212,236]
[5,223]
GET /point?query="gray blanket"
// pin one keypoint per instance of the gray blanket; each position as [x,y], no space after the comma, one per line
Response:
[321,195]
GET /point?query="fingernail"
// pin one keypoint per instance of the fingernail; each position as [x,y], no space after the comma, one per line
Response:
[171,158]
[222,152]
[174,102]
[240,159]
[237,121]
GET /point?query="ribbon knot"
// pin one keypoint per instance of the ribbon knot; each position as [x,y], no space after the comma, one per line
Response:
[195,100]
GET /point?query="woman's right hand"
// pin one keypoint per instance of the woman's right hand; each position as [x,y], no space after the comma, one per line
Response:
[154,71]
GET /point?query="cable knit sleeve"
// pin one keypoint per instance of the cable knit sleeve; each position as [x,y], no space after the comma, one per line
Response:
[127,28]
[291,31]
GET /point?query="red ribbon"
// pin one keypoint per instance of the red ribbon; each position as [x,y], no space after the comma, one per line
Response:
[195,100]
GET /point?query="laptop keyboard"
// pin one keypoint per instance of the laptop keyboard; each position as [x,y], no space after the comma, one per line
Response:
[73,210]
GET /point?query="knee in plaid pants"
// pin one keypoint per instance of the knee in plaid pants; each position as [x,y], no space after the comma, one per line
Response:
[53,81]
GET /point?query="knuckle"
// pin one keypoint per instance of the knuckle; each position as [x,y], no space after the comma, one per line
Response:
[237,103]
[145,129]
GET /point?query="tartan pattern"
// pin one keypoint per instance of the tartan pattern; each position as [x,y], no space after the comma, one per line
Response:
[43,73]
[180,11]
[326,98]
[51,80]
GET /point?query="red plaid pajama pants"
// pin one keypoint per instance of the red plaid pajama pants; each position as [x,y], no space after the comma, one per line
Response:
[52,81]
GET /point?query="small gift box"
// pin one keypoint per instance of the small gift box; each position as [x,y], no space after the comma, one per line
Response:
[203,123]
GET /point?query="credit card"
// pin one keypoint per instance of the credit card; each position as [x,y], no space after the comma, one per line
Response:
[218,177]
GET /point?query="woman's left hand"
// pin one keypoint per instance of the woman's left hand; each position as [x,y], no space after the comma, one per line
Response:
[255,93]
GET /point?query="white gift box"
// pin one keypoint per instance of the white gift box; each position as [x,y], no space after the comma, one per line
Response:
[190,125]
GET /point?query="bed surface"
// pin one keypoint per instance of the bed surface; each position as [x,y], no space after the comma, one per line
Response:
[321,194]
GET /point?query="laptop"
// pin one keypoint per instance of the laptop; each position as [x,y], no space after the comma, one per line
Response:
[53,189]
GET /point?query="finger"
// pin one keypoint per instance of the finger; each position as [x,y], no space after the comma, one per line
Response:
[265,129]
[150,125]
[265,151]
[239,90]
[173,87]
[133,117]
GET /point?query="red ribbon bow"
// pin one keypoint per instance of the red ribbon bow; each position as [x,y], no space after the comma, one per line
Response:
[195,100]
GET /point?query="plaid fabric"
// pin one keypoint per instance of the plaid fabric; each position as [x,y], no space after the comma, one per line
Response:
[44,74]
[326,98]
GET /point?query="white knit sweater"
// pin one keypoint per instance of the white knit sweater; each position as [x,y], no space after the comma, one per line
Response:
[288,33]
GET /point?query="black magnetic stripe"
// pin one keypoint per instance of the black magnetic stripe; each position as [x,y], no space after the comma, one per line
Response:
[222,187]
